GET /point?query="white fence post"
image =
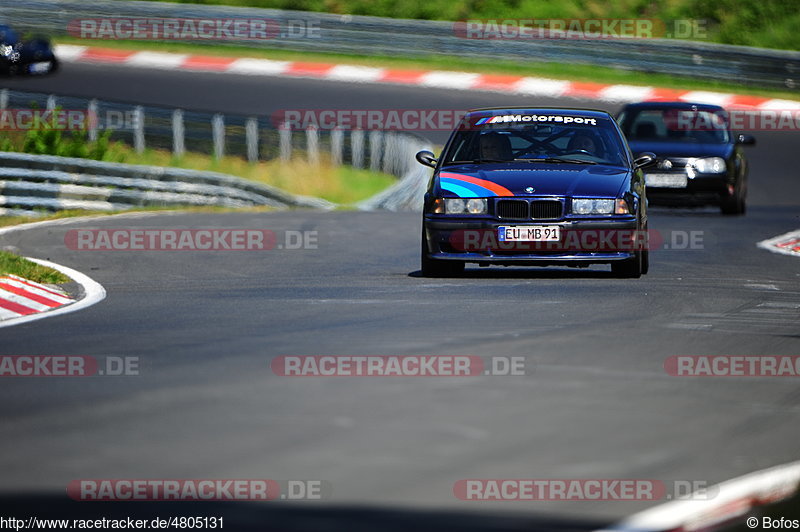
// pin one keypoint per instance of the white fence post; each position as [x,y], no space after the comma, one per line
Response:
[218,132]
[138,129]
[375,137]
[337,146]
[285,135]
[251,136]
[312,145]
[178,145]
[357,148]
[51,102]
[91,110]
[3,98]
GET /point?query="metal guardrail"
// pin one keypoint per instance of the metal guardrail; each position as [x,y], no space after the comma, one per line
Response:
[49,183]
[418,38]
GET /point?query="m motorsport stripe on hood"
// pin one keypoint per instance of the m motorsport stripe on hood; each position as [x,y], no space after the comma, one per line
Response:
[465,186]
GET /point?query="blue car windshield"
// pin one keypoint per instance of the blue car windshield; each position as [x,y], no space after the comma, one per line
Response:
[537,138]
[676,125]
[8,36]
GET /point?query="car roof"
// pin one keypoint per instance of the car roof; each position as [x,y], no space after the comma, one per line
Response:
[673,105]
[592,113]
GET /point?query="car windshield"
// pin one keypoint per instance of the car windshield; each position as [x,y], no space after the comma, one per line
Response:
[537,138]
[676,125]
[8,36]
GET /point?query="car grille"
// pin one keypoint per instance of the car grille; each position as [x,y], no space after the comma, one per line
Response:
[514,209]
[525,210]
[545,210]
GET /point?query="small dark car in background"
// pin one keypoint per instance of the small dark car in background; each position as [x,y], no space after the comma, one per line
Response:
[700,161]
[17,56]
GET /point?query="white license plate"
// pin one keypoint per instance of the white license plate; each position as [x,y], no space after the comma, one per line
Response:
[529,233]
[666,180]
[41,67]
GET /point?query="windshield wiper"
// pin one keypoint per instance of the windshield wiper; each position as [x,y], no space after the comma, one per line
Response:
[477,161]
[557,160]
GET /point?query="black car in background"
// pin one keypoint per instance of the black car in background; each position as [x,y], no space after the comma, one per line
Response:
[700,161]
[34,56]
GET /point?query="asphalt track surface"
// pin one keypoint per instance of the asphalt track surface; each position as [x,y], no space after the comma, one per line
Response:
[205,326]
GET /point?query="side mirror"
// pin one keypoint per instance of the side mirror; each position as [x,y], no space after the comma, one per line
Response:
[746,140]
[644,159]
[427,158]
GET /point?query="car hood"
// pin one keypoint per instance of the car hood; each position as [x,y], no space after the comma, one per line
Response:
[681,149]
[545,179]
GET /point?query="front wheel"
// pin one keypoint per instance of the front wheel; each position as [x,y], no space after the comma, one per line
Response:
[629,268]
[735,204]
[437,268]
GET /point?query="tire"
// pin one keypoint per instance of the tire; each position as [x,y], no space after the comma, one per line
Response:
[437,268]
[629,268]
[734,205]
[645,261]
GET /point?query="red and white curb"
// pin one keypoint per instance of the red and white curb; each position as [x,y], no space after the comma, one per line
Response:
[786,244]
[733,502]
[22,301]
[523,85]
[21,297]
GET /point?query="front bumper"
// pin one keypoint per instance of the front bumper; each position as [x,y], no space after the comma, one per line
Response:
[582,242]
[701,189]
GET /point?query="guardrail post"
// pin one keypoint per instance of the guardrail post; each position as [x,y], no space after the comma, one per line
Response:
[178,145]
[138,129]
[3,98]
[375,137]
[337,145]
[312,145]
[51,102]
[251,137]
[218,132]
[357,148]
[91,110]
[285,135]
[389,153]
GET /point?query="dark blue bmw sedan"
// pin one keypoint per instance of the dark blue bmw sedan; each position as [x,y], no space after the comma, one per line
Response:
[535,187]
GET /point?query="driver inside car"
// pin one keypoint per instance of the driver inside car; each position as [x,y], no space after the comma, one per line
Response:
[496,146]
[583,142]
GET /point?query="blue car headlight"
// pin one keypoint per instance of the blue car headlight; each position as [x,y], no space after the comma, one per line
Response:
[710,165]
[460,206]
[600,206]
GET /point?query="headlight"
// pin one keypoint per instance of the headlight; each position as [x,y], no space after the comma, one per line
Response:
[465,206]
[710,165]
[593,206]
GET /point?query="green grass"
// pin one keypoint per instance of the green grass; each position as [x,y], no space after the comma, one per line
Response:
[573,72]
[16,265]
[764,23]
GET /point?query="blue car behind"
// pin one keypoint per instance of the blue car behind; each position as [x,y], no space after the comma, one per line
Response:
[700,161]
